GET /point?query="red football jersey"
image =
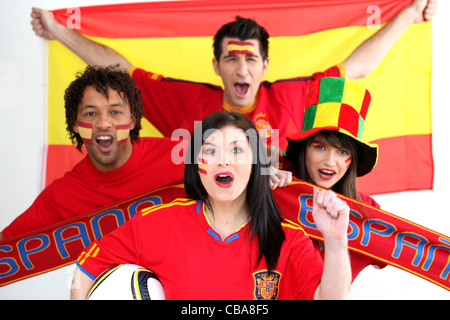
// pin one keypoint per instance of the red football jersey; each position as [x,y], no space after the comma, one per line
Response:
[170,104]
[177,243]
[85,189]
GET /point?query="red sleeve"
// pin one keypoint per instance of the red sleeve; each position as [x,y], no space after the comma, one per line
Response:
[121,246]
[43,212]
[359,262]
[170,104]
[313,267]
[368,200]
[304,269]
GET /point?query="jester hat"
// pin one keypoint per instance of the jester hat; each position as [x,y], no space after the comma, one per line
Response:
[336,104]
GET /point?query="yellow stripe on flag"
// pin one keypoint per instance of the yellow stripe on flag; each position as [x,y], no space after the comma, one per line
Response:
[190,59]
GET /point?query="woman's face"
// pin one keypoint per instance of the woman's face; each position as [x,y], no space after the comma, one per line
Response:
[225,165]
[326,165]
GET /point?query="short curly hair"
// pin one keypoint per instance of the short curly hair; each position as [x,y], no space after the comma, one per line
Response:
[102,78]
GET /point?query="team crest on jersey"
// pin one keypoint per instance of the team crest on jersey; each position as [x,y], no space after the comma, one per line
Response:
[266,285]
[262,125]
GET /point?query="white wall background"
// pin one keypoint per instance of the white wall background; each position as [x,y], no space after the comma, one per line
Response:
[21,130]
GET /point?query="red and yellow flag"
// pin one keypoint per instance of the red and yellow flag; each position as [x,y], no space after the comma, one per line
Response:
[175,39]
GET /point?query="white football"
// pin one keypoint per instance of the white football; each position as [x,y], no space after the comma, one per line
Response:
[127,282]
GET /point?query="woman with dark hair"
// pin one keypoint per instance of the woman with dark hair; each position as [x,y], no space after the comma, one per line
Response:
[329,151]
[258,197]
[228,240]
[317,150]
[103,118]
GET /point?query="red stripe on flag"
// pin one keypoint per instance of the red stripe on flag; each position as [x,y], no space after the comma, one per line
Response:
[55,167]
[398,157]
[181,18]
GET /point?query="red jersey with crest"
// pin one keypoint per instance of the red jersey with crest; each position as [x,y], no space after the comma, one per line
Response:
[277,112]
[177,243]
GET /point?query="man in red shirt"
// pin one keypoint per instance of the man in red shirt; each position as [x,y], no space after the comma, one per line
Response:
[241,60]
[103,112]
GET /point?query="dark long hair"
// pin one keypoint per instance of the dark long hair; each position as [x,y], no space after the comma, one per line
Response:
[265,214]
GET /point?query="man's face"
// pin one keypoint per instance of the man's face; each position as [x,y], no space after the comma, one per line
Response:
[104,125]
[241,68]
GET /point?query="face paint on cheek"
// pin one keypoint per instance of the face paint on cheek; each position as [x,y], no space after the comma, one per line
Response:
[202,166]
[239,47]
[123,131]
[85,132]
[348,161]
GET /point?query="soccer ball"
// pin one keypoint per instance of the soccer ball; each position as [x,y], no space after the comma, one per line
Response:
[127,282]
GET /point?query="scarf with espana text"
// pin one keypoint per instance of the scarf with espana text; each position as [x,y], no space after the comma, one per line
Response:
[372,232]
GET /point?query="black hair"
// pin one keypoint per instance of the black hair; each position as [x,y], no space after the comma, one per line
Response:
[347,184]
[243,29]
[265,214]
[102,79]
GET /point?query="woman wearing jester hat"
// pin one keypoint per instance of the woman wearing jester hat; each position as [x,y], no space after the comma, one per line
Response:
[329,151]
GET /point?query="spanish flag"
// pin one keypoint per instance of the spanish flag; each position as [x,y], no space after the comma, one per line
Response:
[175,39]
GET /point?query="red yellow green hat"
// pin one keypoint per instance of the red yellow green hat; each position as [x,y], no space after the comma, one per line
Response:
[336,104]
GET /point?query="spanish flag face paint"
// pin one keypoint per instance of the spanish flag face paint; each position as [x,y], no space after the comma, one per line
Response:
[326,164]
[240,47]
[123,131]
[85,132]
[202,166]
[348,162]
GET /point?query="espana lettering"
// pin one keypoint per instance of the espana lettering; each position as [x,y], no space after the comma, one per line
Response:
[367,231]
